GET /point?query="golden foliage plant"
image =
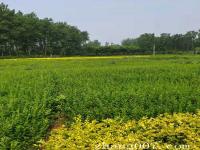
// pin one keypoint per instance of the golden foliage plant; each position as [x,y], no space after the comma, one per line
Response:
[177,131]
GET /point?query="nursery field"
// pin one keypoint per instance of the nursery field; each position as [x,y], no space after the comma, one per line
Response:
[113,96]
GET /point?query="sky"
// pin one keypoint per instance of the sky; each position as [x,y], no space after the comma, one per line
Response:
[115,20]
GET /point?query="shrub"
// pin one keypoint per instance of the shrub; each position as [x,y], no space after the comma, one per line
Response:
[163,132]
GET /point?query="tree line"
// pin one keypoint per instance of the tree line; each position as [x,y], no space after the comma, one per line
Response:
[149,43]
[166,43]
[27,35]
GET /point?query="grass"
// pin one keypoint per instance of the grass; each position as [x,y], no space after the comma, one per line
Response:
[35,92]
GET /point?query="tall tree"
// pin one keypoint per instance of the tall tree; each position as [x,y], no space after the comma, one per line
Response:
[146,41]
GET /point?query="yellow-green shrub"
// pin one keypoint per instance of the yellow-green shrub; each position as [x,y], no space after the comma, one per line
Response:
[164,132]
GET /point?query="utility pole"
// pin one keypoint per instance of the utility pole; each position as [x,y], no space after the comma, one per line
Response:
[154,45]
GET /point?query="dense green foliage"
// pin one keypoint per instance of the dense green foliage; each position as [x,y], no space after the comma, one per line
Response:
[27,35]
[33,92]
[166,43]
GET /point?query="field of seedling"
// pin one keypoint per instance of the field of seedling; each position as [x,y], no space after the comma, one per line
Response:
[88,102]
